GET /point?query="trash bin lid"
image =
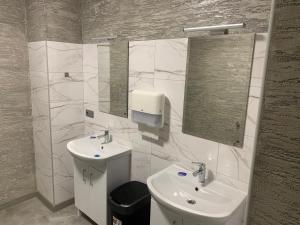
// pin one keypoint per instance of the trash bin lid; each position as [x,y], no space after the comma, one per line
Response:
[130,197]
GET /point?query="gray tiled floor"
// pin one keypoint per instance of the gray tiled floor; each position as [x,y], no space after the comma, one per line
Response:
[33,212]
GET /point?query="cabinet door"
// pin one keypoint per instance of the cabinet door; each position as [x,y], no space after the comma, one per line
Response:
[98,196]
[163,216]
[81,186]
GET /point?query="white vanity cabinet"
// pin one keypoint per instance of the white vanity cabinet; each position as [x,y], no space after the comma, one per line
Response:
[163,216]
[93,181]
[81,185]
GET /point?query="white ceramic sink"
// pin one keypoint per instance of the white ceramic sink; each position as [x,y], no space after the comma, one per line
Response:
[90,148]
[213,203]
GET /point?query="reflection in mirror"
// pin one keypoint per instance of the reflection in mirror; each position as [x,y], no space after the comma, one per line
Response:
[104,77]
[113,77]
[217,87]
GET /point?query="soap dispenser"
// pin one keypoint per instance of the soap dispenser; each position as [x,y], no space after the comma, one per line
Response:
[148,108]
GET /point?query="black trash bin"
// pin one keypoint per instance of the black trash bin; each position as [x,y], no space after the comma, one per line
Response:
[130,204]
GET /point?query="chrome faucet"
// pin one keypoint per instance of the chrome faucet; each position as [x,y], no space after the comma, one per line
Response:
[200,172]
[107,137]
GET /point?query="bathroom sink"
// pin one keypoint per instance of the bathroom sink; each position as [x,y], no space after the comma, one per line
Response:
[212,203]
[91,149]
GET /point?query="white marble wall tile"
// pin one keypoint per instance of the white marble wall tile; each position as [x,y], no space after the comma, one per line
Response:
[141,146]
[236,162]
[40,115]
[65,114]
[140,166]
[44,175]
[90,127]
[66,96]
[146,84]
[57,106]
[63,162]
[233,182]
[257,78]
[185,149]
[252,111]
[199,150]
[43,158]
[66,100]
[90,58]
[65,89]
[170,59]
[64,57]
[91,91]
[39,95]
[67,123]
[37,56]
[124,130]
[158,164]
[174,92]
[141,59]
[256,87]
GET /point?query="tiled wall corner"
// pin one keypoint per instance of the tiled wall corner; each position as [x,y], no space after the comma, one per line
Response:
[57,107]
[66,111]
[41,118]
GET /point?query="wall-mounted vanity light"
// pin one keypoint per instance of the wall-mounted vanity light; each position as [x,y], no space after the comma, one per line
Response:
[224,27]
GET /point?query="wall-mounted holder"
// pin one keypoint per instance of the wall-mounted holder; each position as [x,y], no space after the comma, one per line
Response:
[148,108]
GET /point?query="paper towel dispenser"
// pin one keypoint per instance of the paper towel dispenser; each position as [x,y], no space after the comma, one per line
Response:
[148,108]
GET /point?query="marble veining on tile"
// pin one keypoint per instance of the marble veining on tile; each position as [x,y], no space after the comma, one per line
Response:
[64,57]
[57,106]
[41,118]
[173,146]
[66,112]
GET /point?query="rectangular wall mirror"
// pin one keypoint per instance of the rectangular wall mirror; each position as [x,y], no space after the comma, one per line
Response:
[217,87]
[113,77]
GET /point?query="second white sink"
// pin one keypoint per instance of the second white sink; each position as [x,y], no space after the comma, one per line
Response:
[213,203]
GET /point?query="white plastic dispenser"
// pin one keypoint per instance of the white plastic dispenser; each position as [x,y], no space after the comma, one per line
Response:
[148,108]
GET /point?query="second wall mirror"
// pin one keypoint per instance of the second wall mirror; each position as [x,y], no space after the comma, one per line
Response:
[217,87]
[113,77]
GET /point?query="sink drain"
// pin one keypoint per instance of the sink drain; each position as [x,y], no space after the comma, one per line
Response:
[191,201]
